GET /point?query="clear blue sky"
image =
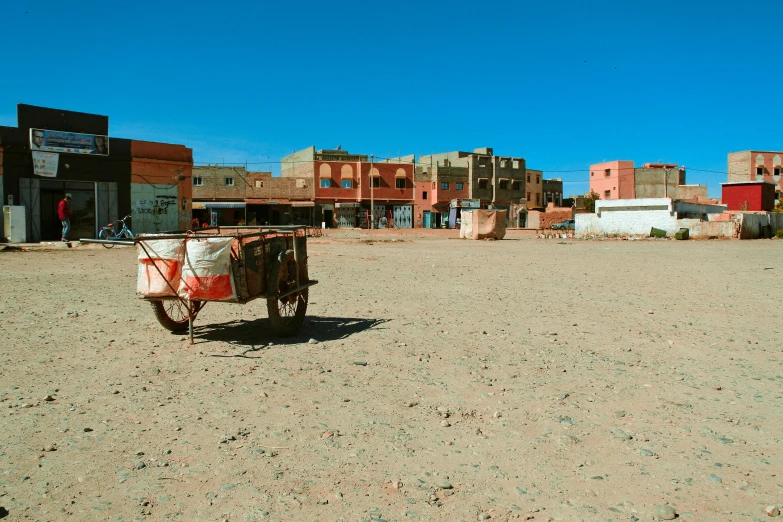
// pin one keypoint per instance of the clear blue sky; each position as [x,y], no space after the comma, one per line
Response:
[562,84]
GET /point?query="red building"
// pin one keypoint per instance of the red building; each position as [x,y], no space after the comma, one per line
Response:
[749,195]
[347,186]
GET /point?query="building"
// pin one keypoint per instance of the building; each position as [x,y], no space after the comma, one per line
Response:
[621,180]
[226,195]
[553,191]
[347,186]
[755,165]
[496,181]
[219,195]
[53,152]
[749,195]
[613,179]
[534,189]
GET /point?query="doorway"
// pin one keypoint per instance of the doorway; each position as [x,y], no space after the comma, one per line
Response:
[522,219]
[82,209]
[329,218]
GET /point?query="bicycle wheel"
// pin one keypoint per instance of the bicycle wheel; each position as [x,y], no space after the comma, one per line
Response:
[172,314]
[286,313]
[106,235]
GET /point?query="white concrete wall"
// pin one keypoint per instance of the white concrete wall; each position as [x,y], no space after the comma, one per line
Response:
[625,223]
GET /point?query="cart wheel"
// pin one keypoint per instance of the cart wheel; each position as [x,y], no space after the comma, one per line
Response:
[286,314]
[104,234]
[172,314]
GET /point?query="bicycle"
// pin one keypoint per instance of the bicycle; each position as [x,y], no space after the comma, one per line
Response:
[108,233]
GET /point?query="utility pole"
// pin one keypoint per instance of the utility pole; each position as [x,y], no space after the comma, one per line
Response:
[372,199]
[666,182]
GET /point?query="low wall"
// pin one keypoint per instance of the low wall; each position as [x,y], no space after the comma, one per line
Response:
[625,223]
[741,225]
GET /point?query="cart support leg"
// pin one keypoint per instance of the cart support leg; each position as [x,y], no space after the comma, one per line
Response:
[190,321]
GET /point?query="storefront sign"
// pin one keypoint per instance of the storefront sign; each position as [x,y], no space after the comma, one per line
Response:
[465,203]
[73,142]
[45,164]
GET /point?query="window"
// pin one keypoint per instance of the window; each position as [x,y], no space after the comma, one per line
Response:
[444,185]
[399,183]
[459,186]
[376,182]
[515,164]
[607,194]
[538,199]
[503,164]
[538,180]
[424,194]
[346,183]
[259,183]
[503,185]
[515,185]
[528,178]
[198,181]
[592,174]
[482,184]
[528,196]
[777,171]
[433,185]
[229,182]
[608,172]
[326,183]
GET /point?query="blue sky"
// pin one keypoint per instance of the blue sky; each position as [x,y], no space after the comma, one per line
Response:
[562,84]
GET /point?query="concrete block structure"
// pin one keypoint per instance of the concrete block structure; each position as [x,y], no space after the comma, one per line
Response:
[534,189]
[621,180]
[749,195]
[553,191]
[148,180]
[755,165]
[497,181]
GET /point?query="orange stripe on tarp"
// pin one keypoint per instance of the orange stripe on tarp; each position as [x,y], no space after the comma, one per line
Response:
[209,288]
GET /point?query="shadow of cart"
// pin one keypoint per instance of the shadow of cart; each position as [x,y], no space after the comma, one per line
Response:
[256,335]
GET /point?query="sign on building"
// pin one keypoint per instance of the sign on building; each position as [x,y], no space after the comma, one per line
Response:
[71,142]
[45,164]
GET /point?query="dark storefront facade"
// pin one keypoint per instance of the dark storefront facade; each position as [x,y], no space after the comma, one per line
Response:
[102,183]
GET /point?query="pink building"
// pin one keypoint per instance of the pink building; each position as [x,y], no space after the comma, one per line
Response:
[613,179]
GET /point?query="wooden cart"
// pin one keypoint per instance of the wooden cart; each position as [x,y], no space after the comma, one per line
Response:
[265,262]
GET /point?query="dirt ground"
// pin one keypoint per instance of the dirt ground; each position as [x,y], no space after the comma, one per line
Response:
[525,379]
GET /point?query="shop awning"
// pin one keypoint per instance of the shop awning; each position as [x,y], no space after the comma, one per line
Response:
[400,174]
[267,201]
[441,206]
[223,204]
[375,174]
[346,175]
[303,203]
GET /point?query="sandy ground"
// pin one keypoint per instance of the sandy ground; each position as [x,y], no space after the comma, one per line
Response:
[452,380]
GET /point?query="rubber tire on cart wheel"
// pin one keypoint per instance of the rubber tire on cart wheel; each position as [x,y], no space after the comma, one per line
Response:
[172,314]
[286,314]
[104,234]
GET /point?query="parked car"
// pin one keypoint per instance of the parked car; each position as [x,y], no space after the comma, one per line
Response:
[569,224]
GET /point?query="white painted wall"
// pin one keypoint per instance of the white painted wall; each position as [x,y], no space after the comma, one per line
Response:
[154,208]
[624,223]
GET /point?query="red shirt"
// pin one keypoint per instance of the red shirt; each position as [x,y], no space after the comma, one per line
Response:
[63,209]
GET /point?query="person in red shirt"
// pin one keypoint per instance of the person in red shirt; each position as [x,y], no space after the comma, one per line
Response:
[64,213]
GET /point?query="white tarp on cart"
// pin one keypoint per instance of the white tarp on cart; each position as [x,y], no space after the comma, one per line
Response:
[206,274]
[160,267]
